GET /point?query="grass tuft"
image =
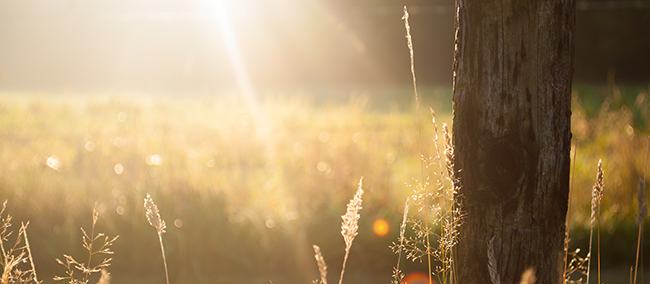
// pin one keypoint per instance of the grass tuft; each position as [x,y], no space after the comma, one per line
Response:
[87,269]
[15,258]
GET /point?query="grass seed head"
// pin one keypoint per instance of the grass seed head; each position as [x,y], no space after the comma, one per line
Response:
[350,224]
[153,216]
[597,192]
[322,267]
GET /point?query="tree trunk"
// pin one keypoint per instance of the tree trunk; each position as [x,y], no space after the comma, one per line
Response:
[513,65]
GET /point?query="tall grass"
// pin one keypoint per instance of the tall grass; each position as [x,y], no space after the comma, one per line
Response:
[237,183]
[15,257]
[398,276]
[447,213]
[596,196]
[422,186]
[349,230]
[88,268]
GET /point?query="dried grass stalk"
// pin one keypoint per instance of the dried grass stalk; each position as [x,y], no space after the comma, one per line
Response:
[596,196]
[322,267]
[350,224]
[153,216]
[640,218]
[397,273]
[88,242]
[417,111]
[643,207]
[23,228]
[16,257]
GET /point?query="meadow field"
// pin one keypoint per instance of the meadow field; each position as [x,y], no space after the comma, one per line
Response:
[247,187]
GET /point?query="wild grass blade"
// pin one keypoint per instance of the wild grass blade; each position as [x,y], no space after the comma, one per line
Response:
[417,110]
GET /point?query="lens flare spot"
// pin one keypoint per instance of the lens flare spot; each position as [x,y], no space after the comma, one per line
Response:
[154,160]
[119,169]
[90,146]
[417,278]
[322,166]
[380,227]
[54,163]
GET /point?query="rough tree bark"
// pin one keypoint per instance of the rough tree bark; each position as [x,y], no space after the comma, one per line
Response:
[513,67]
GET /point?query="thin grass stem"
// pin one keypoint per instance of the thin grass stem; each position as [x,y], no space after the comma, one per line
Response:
[417,110]
[598,224]
[29,250]
[162,249]
[568,213]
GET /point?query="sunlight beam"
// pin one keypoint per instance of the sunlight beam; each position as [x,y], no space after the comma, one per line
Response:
[236,59]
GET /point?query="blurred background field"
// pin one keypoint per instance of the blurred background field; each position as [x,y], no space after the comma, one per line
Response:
[250,123]
[245,195]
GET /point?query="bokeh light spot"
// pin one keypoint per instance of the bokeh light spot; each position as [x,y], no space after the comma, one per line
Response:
[121,116]
[417,278]
[380,227]
[324,136]
[118,142]
[119,169]
[178,223]
[53,162]
[90,146]
[154,160]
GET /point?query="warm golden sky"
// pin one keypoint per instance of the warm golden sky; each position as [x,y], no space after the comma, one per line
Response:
[199,44]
